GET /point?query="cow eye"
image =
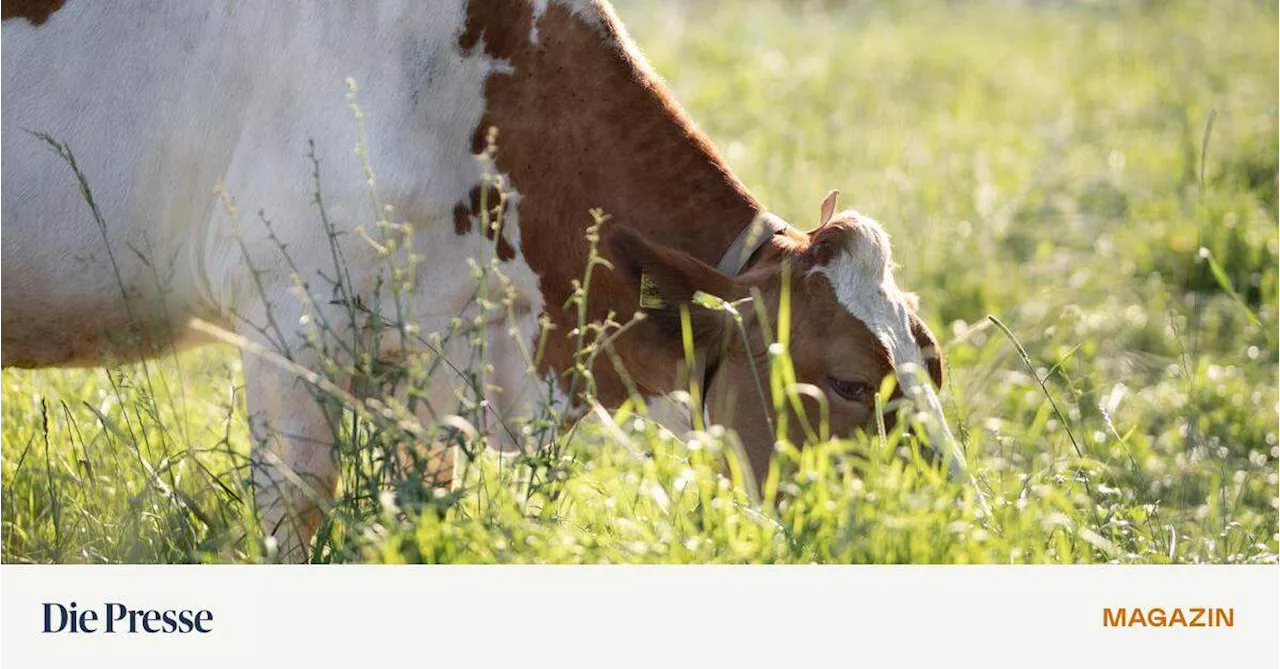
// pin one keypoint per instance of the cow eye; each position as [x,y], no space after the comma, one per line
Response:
[854,391]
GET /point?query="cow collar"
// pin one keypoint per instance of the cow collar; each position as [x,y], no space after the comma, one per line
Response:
[744,247]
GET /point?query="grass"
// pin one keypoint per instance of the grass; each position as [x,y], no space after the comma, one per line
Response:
[1051,164]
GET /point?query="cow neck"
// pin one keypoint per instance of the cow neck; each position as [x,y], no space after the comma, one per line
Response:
[583,124]
[737,259]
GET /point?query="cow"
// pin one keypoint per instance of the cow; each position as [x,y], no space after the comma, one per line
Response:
[179,115]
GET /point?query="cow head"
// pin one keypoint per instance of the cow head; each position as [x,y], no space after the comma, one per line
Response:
[850,327]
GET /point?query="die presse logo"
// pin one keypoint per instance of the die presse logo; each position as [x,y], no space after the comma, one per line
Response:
[117,618]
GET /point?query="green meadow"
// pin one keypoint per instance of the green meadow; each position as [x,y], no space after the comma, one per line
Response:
[1084,195]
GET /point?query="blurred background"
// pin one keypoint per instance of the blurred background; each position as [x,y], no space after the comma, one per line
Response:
[1060,165]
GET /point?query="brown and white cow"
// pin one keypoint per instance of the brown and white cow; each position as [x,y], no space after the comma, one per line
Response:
[165,104]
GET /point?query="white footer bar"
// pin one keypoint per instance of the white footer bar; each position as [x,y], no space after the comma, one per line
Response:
[655,617]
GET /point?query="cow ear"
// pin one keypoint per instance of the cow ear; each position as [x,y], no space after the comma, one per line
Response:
[828,207]
[667,280]
[930,350]
[825,243]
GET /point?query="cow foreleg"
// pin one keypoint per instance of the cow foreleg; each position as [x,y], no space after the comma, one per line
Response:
[294,465]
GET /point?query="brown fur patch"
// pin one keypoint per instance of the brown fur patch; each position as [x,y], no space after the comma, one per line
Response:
[492,201]
[35,11]
[582,124]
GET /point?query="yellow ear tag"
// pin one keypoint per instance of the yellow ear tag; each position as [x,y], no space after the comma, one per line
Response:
[649,296]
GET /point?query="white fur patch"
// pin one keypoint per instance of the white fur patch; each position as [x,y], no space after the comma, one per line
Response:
[179,101]
[591,12]
[539,8]
[862,277]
